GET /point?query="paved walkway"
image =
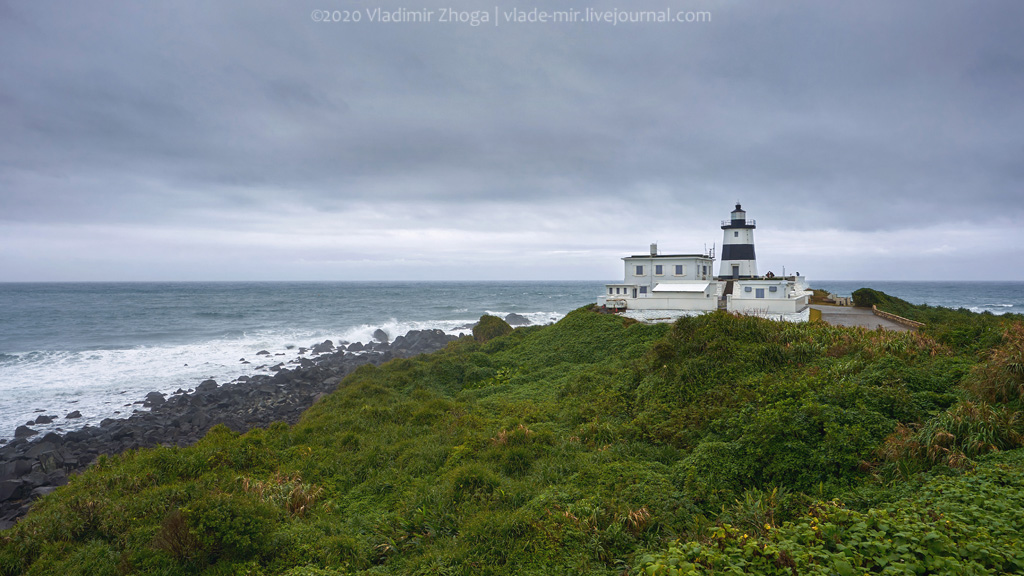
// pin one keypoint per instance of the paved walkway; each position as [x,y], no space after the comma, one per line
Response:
[850,316]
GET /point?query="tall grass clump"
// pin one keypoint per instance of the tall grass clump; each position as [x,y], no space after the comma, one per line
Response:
[988,417]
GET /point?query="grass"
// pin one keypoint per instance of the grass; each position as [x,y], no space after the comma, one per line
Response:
[597,445]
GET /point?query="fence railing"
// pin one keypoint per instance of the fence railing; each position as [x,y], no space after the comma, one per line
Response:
[914,325]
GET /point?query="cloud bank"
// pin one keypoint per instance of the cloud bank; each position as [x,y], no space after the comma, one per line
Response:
[244,140]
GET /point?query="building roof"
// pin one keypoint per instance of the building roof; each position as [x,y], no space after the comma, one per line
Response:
[682,287]
[706,256]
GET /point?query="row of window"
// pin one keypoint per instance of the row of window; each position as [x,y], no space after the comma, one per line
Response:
[659,270]
[760,291]
[643,290]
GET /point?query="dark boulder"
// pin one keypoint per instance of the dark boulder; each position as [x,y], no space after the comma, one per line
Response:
[44,419]
[420,341]
[53,438]
[154,399]
[73,414]
[43,491]
[15,469]
[10,489]
[517,320]
[39,448]
[323,347]
[24,432]
[381,336]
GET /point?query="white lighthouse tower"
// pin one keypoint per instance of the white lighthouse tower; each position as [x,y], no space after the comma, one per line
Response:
[738,260]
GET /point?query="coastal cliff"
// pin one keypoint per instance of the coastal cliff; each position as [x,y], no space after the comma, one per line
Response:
[596,445]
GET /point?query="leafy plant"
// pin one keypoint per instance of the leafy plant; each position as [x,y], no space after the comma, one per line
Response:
[490,327]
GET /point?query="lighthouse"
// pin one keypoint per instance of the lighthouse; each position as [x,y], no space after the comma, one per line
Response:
[738,260]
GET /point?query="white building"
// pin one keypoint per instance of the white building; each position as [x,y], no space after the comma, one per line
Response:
[671,285]
[768,297]
[664,281]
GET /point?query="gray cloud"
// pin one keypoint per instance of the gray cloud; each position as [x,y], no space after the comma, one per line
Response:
[867,122]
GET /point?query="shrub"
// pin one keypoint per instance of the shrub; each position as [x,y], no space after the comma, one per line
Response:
[176,539]
[866,298]
[490,327]
[1001,378]
[232,525]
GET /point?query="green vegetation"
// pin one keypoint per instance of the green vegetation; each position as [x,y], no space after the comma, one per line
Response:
[961,329]
[821,297]
[966,525]
[490,327]
[597,445]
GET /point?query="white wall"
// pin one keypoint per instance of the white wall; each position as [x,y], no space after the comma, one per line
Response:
[782,289]
[692,269]
[765,305]
[677,301]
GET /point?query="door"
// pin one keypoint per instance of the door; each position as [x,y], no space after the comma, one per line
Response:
[735,271]
[759,292]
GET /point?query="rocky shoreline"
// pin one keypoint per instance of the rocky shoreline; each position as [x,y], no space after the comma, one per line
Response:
[31,467]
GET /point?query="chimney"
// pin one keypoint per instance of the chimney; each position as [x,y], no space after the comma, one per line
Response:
[654,249]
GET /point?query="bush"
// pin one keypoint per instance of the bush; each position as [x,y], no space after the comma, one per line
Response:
[490,327]
[232,525]
[866,298]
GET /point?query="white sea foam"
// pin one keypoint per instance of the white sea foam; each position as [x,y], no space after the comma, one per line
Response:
[996,309]
[106,383]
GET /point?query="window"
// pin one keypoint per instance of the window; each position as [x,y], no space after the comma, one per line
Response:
[705,272]
[747,289]
[639,270]
[773,288]
[616,290]
[609,290]
[736,234]
[680,270]
[658,269]
[643,289]
[760,293]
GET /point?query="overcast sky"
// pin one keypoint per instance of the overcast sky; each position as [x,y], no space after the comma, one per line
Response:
[242,140]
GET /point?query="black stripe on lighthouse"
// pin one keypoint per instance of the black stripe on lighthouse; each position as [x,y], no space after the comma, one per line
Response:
[738,252]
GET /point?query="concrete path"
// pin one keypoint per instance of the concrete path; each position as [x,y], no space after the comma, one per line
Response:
[850,316]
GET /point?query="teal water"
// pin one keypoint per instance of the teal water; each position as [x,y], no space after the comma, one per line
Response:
[982,296]
[99,347]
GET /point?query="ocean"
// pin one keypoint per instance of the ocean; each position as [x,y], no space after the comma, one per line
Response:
[982,296]
[100,347]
